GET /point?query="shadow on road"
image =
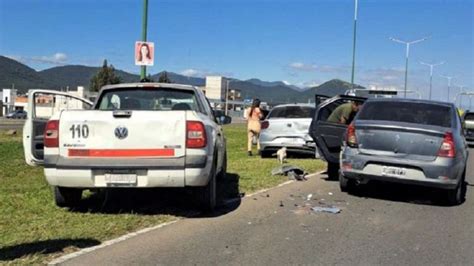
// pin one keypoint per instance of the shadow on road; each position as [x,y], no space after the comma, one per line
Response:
[43,247]
[403,193]
[179,202]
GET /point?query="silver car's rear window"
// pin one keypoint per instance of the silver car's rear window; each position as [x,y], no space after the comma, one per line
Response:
[407,112]
[292,112]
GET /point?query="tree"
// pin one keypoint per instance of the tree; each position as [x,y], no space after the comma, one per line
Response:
[164,78]
[105,76]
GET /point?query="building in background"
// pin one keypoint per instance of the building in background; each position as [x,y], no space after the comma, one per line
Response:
[8,99]
[216,87]
[45,104]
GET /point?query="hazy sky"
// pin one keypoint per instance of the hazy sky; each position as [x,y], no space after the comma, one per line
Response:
[300,42]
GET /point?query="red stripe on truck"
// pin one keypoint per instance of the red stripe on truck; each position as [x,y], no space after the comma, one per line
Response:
[120,153]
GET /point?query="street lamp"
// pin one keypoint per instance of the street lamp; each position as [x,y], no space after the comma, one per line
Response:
[144,31]
[461,90]
[449,85]
[431,73]
[407,54]
[354,43]
[226,96]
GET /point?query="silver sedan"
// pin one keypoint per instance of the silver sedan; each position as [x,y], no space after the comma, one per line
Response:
[406,141]
[288,126]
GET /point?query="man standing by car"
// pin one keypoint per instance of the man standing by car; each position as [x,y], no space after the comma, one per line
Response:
[344,113]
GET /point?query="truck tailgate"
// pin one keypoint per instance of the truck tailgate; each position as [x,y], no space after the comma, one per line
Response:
[143,134]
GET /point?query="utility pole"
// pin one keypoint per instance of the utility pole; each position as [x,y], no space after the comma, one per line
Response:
[354,43]
[144,30]
[461,90]
[406,56]
[449,86]
[226,97]
[431,73]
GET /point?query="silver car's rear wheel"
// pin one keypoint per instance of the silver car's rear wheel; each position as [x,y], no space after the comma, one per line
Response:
[456,196]
[346,184]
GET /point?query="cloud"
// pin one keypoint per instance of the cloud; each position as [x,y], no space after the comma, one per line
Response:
[304,67]
[55,59]
[191,72]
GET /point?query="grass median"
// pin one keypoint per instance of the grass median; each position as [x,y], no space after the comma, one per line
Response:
[33,230]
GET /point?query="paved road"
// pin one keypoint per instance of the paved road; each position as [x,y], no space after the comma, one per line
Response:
[386,224]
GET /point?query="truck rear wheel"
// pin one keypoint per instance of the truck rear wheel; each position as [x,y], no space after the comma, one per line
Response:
[207,194]
[223,171]
[67,197]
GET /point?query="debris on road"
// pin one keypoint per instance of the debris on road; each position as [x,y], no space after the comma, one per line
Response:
[293,172]
[309,196]
[281,204]
[332,210]
[330,193]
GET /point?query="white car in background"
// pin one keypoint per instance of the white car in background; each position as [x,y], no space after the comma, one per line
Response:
[137,135]
[288,126]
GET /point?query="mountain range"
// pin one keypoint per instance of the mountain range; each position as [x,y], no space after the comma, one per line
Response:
[57,78]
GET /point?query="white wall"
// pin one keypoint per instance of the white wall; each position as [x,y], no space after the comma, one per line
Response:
[215,87]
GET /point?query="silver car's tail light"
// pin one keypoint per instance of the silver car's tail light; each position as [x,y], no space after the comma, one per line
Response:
[447,147]
[265,124]
[351,138]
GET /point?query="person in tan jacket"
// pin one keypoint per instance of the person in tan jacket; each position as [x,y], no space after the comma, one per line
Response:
[253,115]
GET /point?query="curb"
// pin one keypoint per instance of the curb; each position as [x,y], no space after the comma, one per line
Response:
[148,229]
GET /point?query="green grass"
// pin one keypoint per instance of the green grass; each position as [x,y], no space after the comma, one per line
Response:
[34,230]
[253,171]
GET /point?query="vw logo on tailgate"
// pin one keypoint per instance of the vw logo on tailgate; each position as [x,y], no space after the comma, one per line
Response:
[121,132]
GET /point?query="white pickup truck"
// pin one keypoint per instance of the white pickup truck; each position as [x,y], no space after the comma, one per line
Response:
[137,135]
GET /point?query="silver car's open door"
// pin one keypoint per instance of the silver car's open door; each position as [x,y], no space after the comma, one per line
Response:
[42,105]
[328,136]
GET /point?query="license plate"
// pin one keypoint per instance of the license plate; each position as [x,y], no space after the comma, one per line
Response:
[394,171]
[293,141]
[121,178]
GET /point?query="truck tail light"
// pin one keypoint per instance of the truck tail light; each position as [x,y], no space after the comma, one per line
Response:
[447,146]
[351,139]
[195,135]
[51,134]
[265,124]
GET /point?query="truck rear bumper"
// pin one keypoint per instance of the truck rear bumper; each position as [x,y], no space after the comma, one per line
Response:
[88,178]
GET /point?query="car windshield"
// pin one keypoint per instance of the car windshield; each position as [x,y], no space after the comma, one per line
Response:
[158,99]
[407,112]
[292,112]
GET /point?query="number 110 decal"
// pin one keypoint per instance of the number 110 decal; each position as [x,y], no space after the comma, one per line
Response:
[79,131]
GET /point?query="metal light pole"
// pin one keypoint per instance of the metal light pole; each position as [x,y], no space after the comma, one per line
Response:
[431,73]
[354,43]
[226,97]
[144,30]
[461,90]
[449,85]
[407,54]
